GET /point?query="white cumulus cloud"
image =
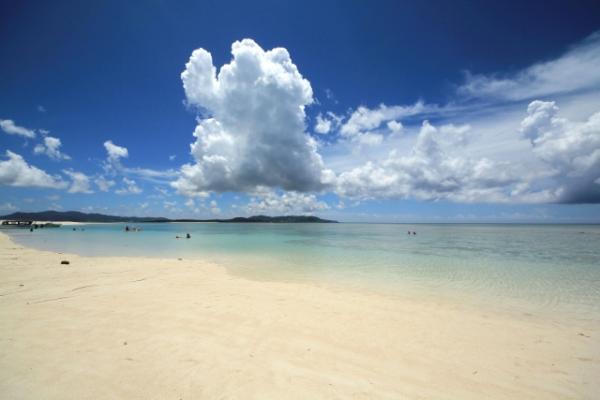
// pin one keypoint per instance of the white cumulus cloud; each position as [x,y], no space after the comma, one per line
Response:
[130,187]
[394,126]
[114,155]
[323,125]
[365,119]
[51,148]
[9,126]
[15,171]
[254,130]
[266,201]
[326,123]
[429,173]
[115,152]
[570,149]
[80,182]
[104,184]
[560,165]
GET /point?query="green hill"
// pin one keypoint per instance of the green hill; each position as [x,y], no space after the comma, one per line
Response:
[77,216]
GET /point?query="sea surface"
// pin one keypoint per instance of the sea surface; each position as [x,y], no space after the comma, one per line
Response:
[551,268]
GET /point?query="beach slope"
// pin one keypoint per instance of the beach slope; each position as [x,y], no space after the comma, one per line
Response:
[135,328]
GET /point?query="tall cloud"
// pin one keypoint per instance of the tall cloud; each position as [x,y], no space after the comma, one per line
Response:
[254,133]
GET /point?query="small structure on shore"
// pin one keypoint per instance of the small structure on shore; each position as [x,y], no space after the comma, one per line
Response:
[20,224]
[28,224]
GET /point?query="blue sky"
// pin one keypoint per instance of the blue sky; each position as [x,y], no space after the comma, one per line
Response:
[374,111]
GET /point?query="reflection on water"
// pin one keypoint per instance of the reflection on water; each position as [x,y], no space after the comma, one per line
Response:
[547,266]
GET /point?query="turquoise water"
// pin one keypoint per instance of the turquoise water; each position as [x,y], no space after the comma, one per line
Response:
[541,267]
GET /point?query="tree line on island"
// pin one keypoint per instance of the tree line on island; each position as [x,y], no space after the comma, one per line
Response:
[76,216]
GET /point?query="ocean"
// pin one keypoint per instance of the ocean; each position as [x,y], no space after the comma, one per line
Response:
[539,268]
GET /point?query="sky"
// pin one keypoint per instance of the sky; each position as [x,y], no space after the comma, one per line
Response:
[380,111]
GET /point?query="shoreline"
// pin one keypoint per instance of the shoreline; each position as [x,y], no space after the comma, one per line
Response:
[132,327]
[264,268]
[581,223]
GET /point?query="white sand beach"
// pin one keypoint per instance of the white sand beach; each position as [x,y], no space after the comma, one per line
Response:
[136,328]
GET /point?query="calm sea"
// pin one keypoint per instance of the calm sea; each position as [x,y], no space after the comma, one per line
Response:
[539,267]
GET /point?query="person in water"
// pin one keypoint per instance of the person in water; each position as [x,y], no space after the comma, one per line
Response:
[187,236]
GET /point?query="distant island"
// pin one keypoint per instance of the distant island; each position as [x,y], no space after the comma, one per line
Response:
[76,216]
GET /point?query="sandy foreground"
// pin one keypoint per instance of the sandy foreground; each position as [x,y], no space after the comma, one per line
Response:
[134,328]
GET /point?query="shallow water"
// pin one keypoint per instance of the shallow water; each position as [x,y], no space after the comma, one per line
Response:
[540,267]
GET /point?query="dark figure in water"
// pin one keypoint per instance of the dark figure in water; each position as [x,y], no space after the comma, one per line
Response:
[126,228]
[408,233]
[414,233]
[187,236]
